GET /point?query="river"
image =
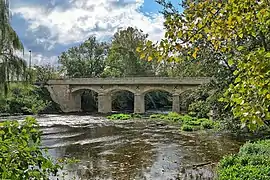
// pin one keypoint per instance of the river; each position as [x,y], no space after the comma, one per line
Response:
[135,149]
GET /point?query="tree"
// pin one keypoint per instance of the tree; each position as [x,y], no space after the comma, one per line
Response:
[11,66]
[123,59]
[238,32]
[45,73]
[86,60]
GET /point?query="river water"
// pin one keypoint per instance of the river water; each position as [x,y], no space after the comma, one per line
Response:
[135,149]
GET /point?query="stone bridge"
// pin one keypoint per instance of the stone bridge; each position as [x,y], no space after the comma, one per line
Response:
[67,92]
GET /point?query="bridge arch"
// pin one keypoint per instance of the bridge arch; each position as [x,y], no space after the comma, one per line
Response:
[85,98]
[122,98]
[120,88]
[158,98]
[150,89]
[81,88]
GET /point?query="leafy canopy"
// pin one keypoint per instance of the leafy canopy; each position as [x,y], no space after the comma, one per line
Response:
[123,59]
[239,30]
[85,60]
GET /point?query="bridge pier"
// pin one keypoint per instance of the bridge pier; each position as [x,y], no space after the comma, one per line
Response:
[139,104]
[104,103]
[76,102]
[176,103]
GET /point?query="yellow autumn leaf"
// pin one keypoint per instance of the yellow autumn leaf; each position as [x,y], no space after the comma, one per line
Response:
[142,55]
[230,20]
[149,58]
[194,55]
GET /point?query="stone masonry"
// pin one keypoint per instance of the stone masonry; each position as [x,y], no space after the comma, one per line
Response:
[67,92]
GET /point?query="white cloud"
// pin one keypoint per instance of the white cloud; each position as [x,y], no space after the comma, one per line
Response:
[89,17]
[37,59]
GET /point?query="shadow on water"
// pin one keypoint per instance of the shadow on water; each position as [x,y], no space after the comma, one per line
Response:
[133,149]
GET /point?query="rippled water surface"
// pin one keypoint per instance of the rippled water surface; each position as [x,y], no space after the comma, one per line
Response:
[137,149]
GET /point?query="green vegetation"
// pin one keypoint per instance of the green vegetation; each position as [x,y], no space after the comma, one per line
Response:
[252,162]
[188,123]
[23,99]
[228,40]
[11,66]
[21,153]
[122,116]
[119,117]
[86,60]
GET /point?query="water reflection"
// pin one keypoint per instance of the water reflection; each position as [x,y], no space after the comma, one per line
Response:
[133,149]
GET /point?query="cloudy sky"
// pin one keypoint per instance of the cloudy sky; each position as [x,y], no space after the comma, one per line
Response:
[49,27]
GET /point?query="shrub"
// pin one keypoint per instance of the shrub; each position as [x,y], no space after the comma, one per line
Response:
[186,127]
[260,148]
[20,154]
[252,162]
[187,118]
[22,99]
[199,109]
[207,124]
[172,116]
[188,123]
[119,117]
[193,122]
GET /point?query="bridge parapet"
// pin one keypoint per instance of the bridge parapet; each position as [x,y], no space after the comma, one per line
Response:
[131,80]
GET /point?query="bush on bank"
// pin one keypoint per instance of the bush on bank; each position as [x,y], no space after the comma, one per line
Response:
[21,156]
[252,162]
[23,99]
[188,123]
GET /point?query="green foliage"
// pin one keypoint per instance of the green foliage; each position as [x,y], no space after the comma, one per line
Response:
[249,95]
[123,60]
[187,127]
[86,60]
[199,108]
[188,123]
[120,117]
[22,99]
[123,116]
[207,124]
[252,162]
[261,147]
[12,67]
[134,115]
[156,116]
[21,156]
[45,73]
[234,36]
